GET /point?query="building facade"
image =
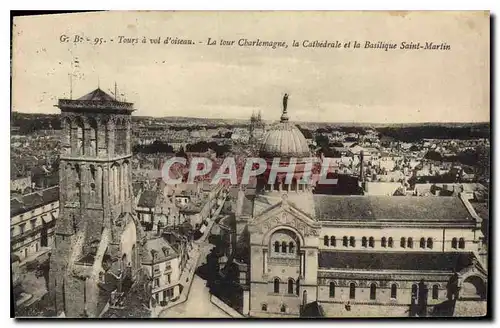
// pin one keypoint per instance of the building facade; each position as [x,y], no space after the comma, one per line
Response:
[163,264]
[32,223]
[353,255]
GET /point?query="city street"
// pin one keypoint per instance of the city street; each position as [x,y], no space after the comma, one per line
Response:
[198,304]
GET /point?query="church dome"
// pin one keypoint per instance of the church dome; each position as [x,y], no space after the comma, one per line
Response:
[284,140]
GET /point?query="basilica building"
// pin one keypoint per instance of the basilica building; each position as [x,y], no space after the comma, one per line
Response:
[352,256]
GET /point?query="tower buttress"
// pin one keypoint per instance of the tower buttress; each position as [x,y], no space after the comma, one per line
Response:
[95,183]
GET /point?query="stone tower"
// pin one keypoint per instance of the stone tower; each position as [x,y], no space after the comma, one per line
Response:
[96,233]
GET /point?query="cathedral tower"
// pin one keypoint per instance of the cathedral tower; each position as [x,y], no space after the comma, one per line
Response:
[95,201]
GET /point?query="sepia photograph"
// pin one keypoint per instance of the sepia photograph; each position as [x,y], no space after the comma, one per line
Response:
[250,165]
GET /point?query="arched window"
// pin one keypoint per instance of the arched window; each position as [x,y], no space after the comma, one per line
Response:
[276,285]
[290,286]
[79,131]
[414,290]
[390,242]
[410,242]
[461,243]
[333,241]
[325,240]
[363,242]
[403,242]
[277,246]
[291,247]
[77,190]
[371,242]
[283,308]
[435,292]
[345,242]
[422,242]
[66,137]
[454,243]
[332,289]
[352,291]
[429,243]
[93,138]
[373,291]
[352,241]
[383,242]
[394,291]
[264,307]
[283,247]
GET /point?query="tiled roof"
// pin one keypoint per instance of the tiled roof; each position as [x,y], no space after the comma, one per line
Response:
[390,208]
[404,261]
[190,209]
[34,200]
[148,199]
[481,210]
[97,95]
[161,248]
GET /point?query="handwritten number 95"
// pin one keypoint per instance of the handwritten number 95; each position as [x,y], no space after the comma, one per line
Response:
[98,41]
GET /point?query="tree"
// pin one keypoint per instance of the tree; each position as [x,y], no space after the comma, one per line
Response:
[433,156]
[321,140]
[181,153]
[414,148]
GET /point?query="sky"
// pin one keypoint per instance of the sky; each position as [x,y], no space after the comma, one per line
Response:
[325,85]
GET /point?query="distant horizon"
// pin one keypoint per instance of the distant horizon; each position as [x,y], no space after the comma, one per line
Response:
[273,121]
[213,81]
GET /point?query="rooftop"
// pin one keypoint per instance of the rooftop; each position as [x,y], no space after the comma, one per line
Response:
[34,200]
[96,100]
[159,247]
[399,261]
[390,208]
[148,199]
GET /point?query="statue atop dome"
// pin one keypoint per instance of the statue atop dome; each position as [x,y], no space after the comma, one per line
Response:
[284,116]
[285,102]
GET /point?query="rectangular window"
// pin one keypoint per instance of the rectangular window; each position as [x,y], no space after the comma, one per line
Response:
[33,224]
[157,282]
[168,278]
[22,227]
